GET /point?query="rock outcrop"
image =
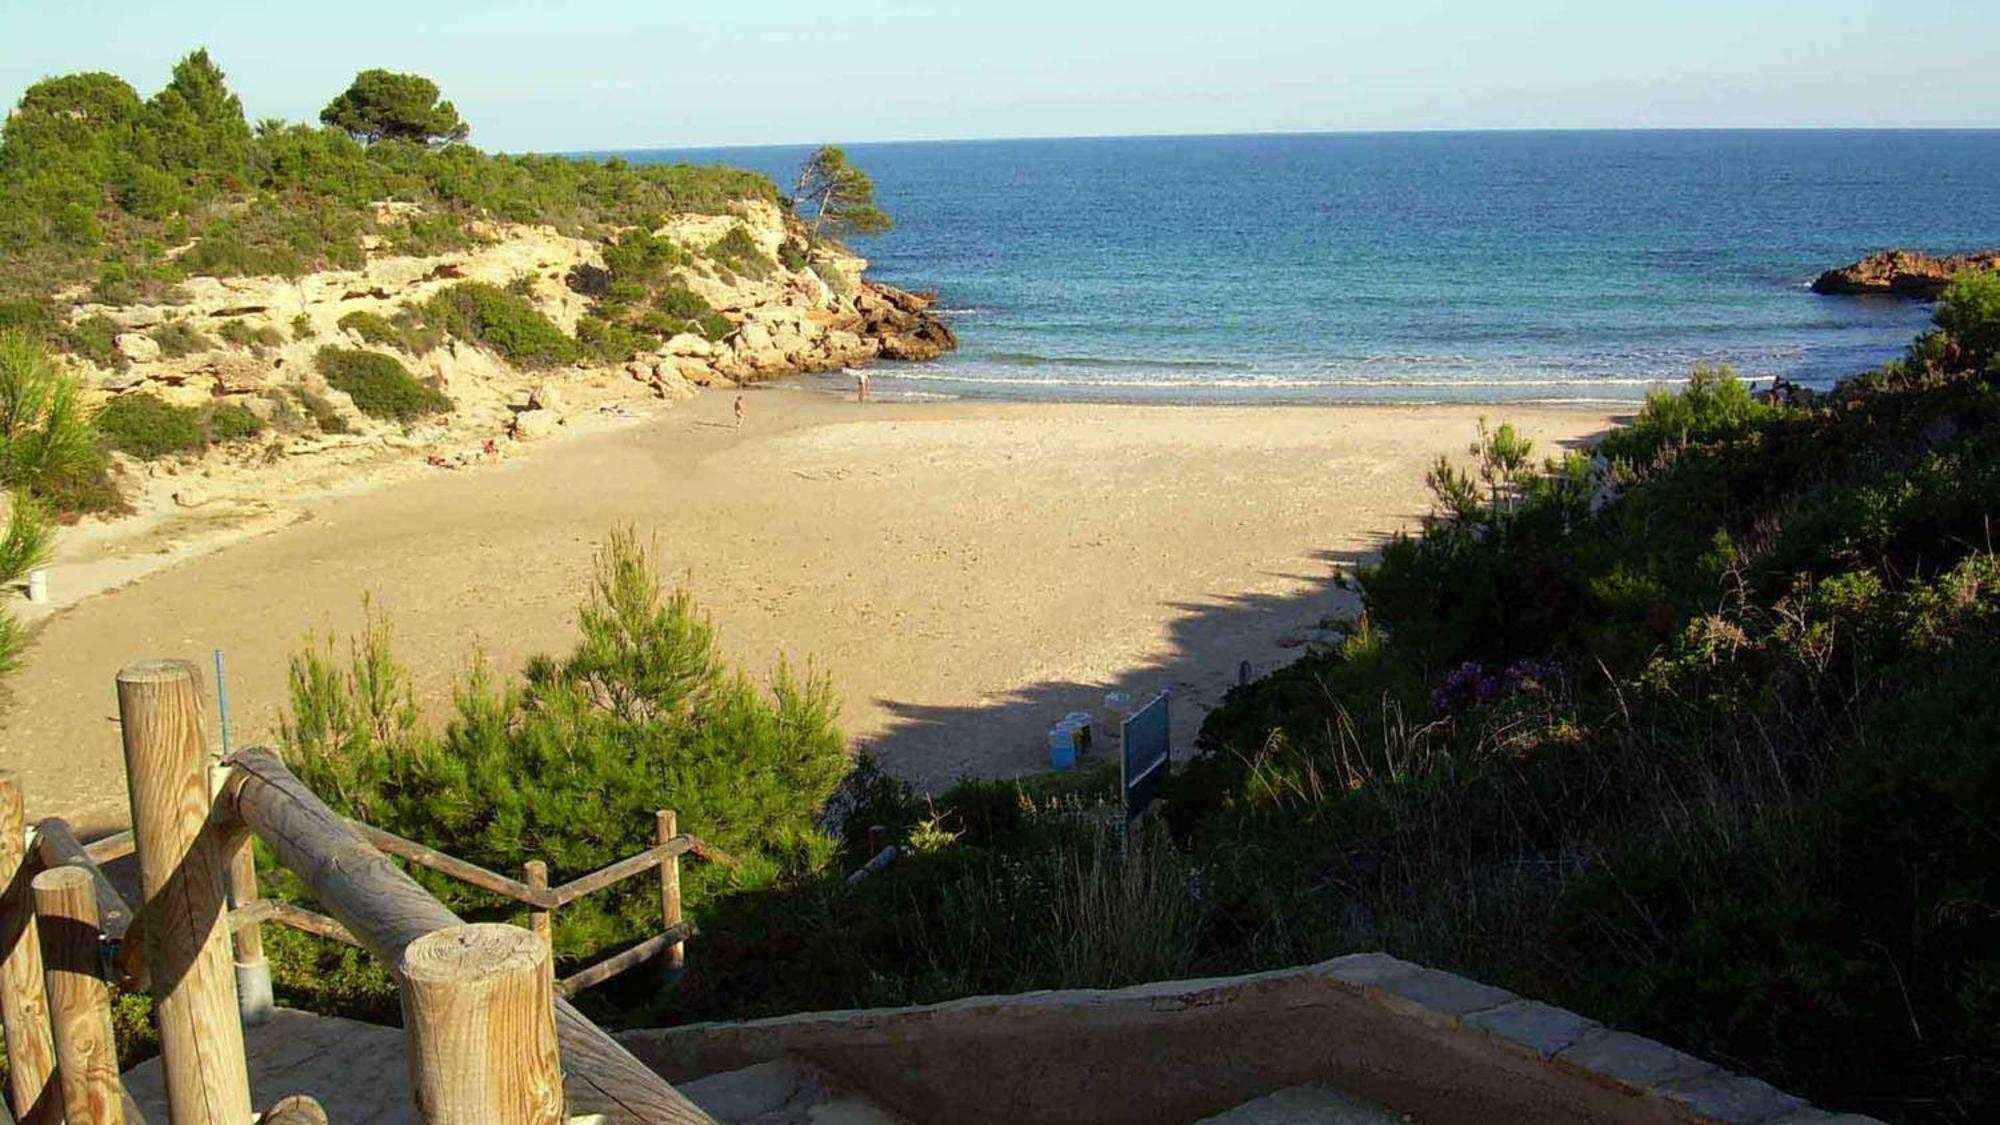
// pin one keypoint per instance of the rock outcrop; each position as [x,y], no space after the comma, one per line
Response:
[903,323]
[1903,273]
[253,340]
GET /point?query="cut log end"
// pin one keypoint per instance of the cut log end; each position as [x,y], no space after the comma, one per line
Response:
[159,672]
[471,954]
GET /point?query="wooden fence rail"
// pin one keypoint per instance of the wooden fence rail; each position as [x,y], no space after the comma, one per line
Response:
[515,1051]
[385,910]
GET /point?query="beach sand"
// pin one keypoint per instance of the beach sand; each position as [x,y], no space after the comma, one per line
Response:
[967,571]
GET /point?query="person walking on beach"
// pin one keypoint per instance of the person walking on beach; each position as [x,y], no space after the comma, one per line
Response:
[739,412]
[860,384]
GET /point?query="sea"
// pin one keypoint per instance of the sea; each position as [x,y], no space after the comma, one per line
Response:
[1405,267]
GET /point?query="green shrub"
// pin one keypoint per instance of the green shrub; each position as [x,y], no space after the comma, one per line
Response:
[1715,405]
[409,330]
[241,334]
[503,322]
[148,427]
[231,422]
[324,416]
[1681,739]
[792,255]
[1970,313]
[28,316]
[569,763]
[738,252]
[611,343]
[682,303]
[302,327]
[178,338]
[380,385]
[95,338]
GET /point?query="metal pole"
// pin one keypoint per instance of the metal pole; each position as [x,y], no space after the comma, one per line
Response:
[222,700]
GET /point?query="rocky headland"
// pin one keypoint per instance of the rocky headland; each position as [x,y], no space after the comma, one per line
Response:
[1903,273]
[258,336]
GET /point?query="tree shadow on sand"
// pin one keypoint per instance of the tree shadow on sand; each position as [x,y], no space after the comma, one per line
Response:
[1212,645]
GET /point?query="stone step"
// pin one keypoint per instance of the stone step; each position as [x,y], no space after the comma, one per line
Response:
[1305,1105]
[782,1092]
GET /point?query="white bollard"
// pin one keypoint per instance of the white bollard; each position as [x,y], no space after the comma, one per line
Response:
[38,586]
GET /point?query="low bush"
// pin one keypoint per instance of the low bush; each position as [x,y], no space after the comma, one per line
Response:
[148,427]
[503,322]
[178,338]
[738,252]
[322,412]
[569,763]
[241,334]
[678,309]
[379,384]
[409,330]
[612,343]
[230,422]
[95,338]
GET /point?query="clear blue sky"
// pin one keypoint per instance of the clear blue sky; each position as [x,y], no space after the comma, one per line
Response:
[637,73]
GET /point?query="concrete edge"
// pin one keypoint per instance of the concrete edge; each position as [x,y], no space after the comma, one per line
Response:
[1483,1023]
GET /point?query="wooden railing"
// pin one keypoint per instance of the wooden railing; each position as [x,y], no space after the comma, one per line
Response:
[492,1035]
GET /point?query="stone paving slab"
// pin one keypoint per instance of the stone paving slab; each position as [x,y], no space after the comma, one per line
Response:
[358,1071]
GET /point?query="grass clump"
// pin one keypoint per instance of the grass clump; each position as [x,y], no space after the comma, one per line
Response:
[503,322]
[379,384]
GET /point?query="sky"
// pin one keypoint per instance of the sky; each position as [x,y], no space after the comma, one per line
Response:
[608,74]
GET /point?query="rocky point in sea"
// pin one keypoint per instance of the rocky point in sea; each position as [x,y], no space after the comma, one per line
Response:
[1903,273]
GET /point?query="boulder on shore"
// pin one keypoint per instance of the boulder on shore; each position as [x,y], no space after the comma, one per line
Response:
[1903,273]
[903,322]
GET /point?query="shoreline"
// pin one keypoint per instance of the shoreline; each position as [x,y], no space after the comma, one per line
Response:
[962,569]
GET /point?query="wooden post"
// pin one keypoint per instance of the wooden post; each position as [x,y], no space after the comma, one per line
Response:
[181,865]
[479,1009]
[666,825]
[385,910]
[535,873]
[298,1109]
[878,838]
[31,1051]
[79,1000]
[253,974]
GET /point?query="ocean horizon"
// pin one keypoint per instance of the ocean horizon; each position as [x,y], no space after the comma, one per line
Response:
[1436,266]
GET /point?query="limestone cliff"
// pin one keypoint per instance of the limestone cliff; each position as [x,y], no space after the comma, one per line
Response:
[814,314]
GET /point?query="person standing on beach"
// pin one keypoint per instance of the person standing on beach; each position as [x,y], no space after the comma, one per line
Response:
[739,412]
[861,384]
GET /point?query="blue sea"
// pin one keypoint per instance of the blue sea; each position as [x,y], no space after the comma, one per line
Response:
[1414,267]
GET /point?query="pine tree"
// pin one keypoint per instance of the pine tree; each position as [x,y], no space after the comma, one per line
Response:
[838,197]
[569,764]
[195,125]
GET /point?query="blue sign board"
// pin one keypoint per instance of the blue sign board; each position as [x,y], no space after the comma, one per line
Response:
[1146,748]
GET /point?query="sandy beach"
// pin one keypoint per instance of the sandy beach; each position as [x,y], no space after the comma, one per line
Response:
[967,572]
